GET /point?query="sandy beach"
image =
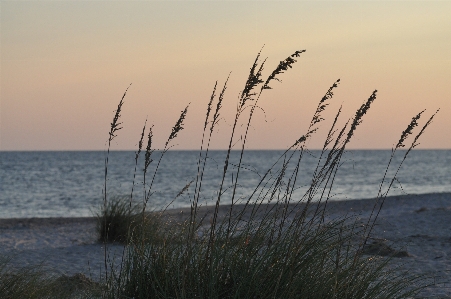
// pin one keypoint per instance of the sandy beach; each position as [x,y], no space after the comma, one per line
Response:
[417,225]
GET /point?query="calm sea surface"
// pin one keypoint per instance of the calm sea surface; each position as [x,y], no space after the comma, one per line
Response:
[67,184]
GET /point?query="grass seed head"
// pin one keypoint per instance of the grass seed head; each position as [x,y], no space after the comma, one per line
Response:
[414,143]
[408,131]
[178,126]
[140,143]
[252,81]
[209,104]
[281,68]
[115,125]
[149,150]
[359,115]
[322,104]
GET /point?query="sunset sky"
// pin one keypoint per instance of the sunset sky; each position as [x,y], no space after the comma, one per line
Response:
[66,64]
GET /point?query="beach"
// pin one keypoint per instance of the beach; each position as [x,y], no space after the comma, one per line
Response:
[416,226]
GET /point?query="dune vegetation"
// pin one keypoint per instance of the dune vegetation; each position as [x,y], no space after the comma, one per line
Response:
[270,245]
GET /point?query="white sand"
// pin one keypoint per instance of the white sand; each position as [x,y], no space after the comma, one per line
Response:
[418,224]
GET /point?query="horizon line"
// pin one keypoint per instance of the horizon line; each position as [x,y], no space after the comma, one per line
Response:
[191,150]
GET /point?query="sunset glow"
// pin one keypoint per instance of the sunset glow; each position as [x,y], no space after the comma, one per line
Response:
[66,64]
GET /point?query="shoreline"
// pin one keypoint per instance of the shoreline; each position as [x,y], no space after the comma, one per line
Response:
[415,201]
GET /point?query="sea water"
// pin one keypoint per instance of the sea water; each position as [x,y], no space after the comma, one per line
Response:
[72,183]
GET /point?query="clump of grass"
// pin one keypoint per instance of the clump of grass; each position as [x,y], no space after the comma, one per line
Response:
[34,282]
[76,286]
[271,244]
[315,264]
[20,283]
[116,219]
[122,222]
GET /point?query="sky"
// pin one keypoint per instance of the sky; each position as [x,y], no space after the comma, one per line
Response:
[66,64]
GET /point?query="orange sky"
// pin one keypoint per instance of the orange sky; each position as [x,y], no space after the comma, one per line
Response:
[66,64]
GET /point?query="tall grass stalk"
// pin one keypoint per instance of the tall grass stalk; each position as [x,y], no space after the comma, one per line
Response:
[115,126]
[276,244]
[381,196]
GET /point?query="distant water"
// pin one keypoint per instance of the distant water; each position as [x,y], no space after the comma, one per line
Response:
[68,184]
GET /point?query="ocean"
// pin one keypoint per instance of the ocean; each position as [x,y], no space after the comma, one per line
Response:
[71,183]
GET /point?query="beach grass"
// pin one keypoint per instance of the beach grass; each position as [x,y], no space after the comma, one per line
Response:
[20,283]
[271,244]
[121,220]
[35,282]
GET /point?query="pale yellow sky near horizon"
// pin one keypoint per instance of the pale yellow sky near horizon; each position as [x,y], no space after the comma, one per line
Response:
[66,64]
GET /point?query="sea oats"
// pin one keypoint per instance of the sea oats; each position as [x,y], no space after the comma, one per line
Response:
[281,68]
[149,150]
[178,126]
[282,250]
[409,130]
